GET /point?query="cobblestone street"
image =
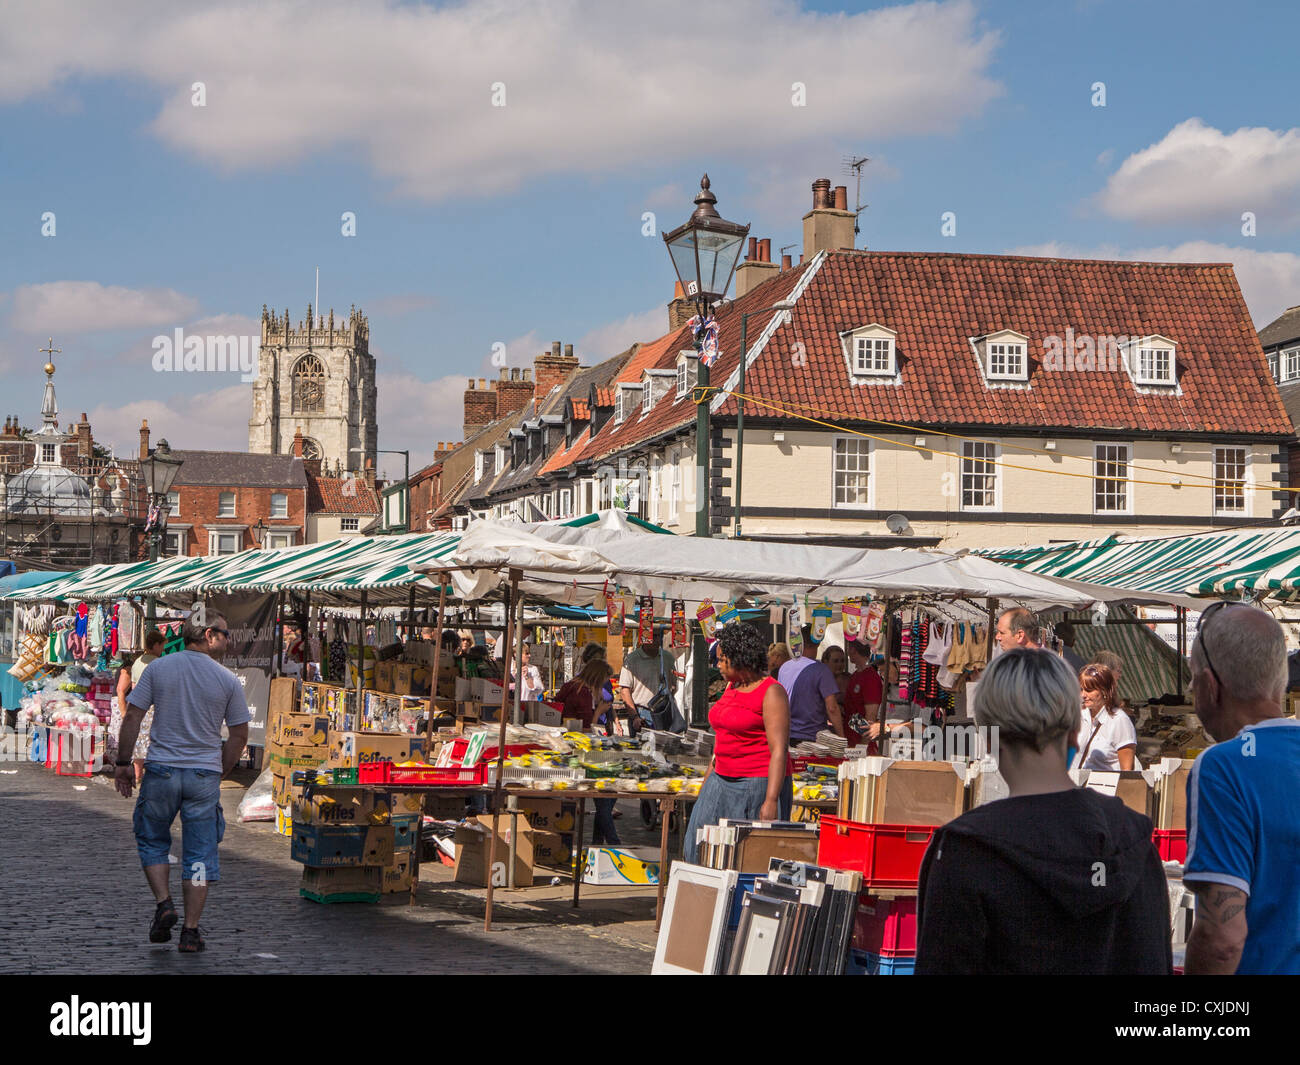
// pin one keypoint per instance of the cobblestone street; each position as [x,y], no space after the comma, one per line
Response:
[73,900]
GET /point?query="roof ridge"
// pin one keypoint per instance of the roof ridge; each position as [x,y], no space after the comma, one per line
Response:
[847,252]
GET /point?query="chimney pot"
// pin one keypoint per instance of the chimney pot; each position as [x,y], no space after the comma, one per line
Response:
[785,262]
[841,197]
[471,382]
[821,189]
[568,351]
[678,291]
[482,382]
[765,249]
[527,373]
[555,348]
[753,248]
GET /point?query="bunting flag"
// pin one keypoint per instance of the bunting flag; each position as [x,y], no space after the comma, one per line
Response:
[706,338]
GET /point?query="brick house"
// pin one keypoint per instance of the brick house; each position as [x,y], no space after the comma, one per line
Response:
[925,398]
[339,505]
[1280,340]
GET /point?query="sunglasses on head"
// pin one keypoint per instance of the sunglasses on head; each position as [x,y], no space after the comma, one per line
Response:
[221,632]
[1206,614]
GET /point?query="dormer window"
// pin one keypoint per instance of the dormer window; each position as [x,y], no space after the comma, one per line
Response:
[647,397]
[1006,356]
[688,372]
[478,465]
[1151,361]
[871,352]
[625,402]
[1291,364]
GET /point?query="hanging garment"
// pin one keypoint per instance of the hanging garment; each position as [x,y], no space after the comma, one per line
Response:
[112,642]
[939,644]
[905,661]
[96,629]
[126,628]
[338,656]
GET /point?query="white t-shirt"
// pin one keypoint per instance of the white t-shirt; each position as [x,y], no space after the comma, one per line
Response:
[1114,730]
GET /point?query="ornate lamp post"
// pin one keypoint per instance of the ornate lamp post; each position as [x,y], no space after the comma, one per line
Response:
[159,471]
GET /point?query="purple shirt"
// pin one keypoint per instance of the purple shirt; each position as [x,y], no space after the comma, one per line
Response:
[807,682]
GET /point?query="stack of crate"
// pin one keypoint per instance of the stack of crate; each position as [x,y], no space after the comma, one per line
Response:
[345,838]
[294,741]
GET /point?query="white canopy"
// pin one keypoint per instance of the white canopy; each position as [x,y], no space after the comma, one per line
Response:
[572,565]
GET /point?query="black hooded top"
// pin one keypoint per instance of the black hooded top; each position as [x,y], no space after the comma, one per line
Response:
[1066,882]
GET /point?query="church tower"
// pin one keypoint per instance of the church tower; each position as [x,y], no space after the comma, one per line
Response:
[320,378]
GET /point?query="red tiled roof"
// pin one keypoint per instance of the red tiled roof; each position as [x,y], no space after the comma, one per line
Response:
[581,410]
[936,303]
[564,455]
[326,495]
[604,397]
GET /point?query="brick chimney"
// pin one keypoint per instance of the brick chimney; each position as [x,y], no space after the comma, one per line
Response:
[144,439]
[552,369]
[297,442]
[480,407]
[85,445]
[757,267]
[829,225]
[514,390]
[680,310]
[370,472]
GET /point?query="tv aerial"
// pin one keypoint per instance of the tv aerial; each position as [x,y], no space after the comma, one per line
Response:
[854,164]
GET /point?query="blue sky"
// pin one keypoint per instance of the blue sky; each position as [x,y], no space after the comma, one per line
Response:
[522,224]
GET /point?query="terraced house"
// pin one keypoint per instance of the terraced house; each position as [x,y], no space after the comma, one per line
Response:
[896,399]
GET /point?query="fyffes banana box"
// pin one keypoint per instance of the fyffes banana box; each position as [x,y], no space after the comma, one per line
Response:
[304,730]
[342,806]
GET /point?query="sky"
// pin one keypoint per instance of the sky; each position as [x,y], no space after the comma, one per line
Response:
[169,166]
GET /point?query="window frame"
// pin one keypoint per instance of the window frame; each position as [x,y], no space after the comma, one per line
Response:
[871,334]
[1243,485]
[222,512]
[214,543]
[1289,362]
[1126,480]
[174,503]
[994,454]
[688,374]
[49,453]
[282,496]
[1018,349]
[343,525]
[1141,377]
[860,443]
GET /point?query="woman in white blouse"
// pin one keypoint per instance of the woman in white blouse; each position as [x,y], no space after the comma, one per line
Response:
[1107,740]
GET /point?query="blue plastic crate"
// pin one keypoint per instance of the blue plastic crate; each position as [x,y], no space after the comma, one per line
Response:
[875,965]
[744,886]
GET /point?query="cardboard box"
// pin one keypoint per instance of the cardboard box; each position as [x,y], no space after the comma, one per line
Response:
[488,692]
[406,832]
[384,672]
[396,877]
[283,793]
[283,698]
[551,815]
[405,803]
[877,790]
[472,848]
[283,821]
[342,806]
[609,865]
[349,749]
[553,849]
[1135,789]
[302,730]
[410,680]
[342,884]
[287,757]
[1171,793]
[444,807]
[539,713]
[329,846]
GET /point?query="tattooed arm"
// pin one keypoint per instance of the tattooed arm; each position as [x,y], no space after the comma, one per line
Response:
[1219,932]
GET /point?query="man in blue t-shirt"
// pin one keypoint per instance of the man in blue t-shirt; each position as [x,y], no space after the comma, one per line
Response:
[193,695]
[1243,838]
[813,692]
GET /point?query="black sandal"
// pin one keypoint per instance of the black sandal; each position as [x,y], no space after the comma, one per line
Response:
[164,918]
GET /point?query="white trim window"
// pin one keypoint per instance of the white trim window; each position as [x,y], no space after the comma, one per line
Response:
[226,505]
[49,453]
[1111,479]
[174,543]
[1291,364]
[278,539]
[279,504]
[979,475]
[871,351]
[174,503]
[478,466]
[223,543]
[1154,365]
[852,470]
[1230,480]
[1007,361]
[349,525]
[688,373]
[647,396]
[674,474]
[1273,371]
[566,502]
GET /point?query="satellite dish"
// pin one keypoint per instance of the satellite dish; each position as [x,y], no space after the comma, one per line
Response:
[897,524]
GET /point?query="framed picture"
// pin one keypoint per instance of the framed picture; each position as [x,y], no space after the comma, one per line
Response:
[695,919]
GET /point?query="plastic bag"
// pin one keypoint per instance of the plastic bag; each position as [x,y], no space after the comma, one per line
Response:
[257,803]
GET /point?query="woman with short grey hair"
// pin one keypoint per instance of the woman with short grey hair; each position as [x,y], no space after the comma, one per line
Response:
[1055,878]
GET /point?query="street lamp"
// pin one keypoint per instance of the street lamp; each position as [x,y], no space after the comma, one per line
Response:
[779,305]
[406,481]
[159,472]
[704,251]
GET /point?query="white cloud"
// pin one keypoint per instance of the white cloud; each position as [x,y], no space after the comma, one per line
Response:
[600,343]
[215,420]
[62,307]
[590,87]
[1197,172]
[416,414]
[1269,280]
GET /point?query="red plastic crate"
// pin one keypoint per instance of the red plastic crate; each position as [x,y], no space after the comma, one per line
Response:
[459,747]
[886,927]
[1171,843]
[448,776]
[887,856]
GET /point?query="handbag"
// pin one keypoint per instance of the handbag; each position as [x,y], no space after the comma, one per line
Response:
[663,707]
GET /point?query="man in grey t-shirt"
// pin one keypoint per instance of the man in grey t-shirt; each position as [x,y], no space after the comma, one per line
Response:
[192,696]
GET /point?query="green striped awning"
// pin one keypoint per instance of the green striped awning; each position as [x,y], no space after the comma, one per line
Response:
[1247,561]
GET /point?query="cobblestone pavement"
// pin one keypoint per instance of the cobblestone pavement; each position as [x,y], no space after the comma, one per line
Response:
[73,900]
